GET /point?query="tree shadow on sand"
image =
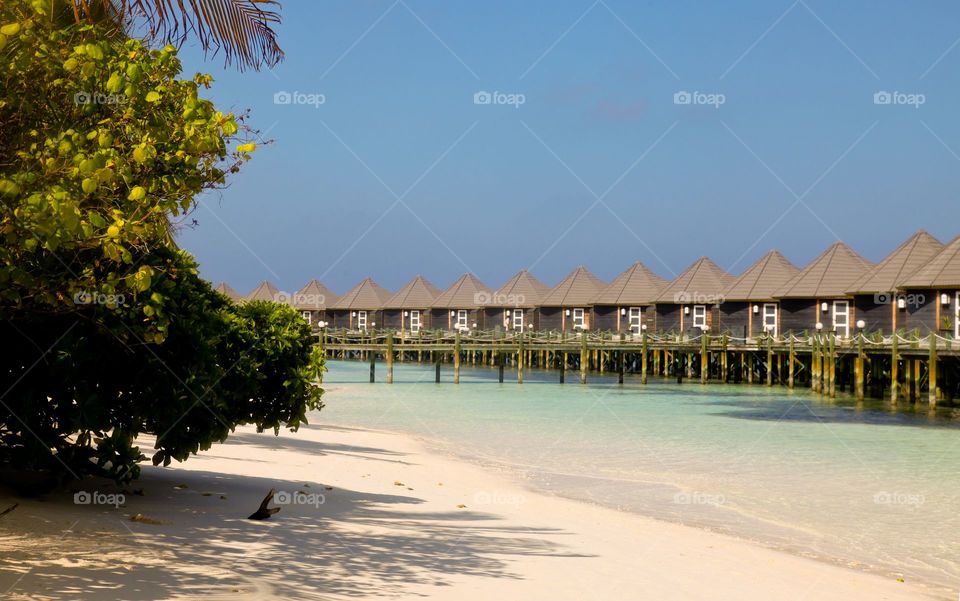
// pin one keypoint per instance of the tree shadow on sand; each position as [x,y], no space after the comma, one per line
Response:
[330,549]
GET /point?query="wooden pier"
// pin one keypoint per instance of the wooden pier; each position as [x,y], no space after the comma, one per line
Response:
[904,367]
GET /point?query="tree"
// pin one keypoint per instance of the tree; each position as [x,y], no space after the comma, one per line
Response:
[109,332]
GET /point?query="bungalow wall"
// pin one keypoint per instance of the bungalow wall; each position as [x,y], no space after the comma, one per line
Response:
[441,319]
[876,316]
[493,318]
[551,318]
[605,318]
[668,317]
[798,315]
[927,314]
[344,319]
[395,319]
[734,319]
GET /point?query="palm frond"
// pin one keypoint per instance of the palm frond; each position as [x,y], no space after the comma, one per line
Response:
[242,29]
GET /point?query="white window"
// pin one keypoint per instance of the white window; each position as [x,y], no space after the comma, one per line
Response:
[462,319]
[578,322]
[362,320]
[841,318]
[700,316]
[306,316]
[414,321]
[518,319]
[770,318]
[956,317]
[635,315]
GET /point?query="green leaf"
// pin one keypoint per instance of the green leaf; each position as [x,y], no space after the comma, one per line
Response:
[152,97]
[137,193]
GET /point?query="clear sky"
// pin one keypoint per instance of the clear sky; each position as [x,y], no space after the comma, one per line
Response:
[587,155]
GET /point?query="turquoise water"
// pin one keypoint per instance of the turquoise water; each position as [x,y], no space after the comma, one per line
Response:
[863,485]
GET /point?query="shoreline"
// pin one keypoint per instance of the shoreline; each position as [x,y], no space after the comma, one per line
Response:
[399,519]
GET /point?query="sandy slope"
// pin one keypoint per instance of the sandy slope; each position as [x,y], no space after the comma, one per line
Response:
[389,527]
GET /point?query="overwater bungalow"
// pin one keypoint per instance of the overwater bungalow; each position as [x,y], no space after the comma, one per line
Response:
[566,306]
[225,289]
[626,303]
[749,307]
[876,298]
[265,291]
[939,285]
[691,302]
[513,306]
[312,301]
[817,299]
[360,308]
[409,309]
[460,307]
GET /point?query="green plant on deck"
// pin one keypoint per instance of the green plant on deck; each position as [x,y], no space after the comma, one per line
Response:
[946,323]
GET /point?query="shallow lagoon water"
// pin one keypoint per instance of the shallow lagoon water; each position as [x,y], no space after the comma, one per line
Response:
[865,485]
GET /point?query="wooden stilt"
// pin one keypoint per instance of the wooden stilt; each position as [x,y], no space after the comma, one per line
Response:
[769,360]
[456,358]
[894,371]
[792,365]
[858,369]
[389,358]
[584,358]
[520,360]
[932,372]
[704,361]
[643,360]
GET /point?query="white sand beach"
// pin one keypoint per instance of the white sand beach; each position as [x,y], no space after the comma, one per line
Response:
[381,517]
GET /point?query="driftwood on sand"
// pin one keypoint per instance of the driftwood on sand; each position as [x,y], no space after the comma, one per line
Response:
[264,512]
[9,509]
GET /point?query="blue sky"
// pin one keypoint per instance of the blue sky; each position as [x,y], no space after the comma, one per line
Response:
[399,172]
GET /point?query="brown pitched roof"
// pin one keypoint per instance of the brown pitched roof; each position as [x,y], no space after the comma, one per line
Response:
[418,293]
[225,289]
[578,288]
[265,291]
[942,271]
[313,295]
[770,273]
[521,290]
[829,275]
[906,260]
[366,296]
[702,280]
[466,292]
[635,286]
